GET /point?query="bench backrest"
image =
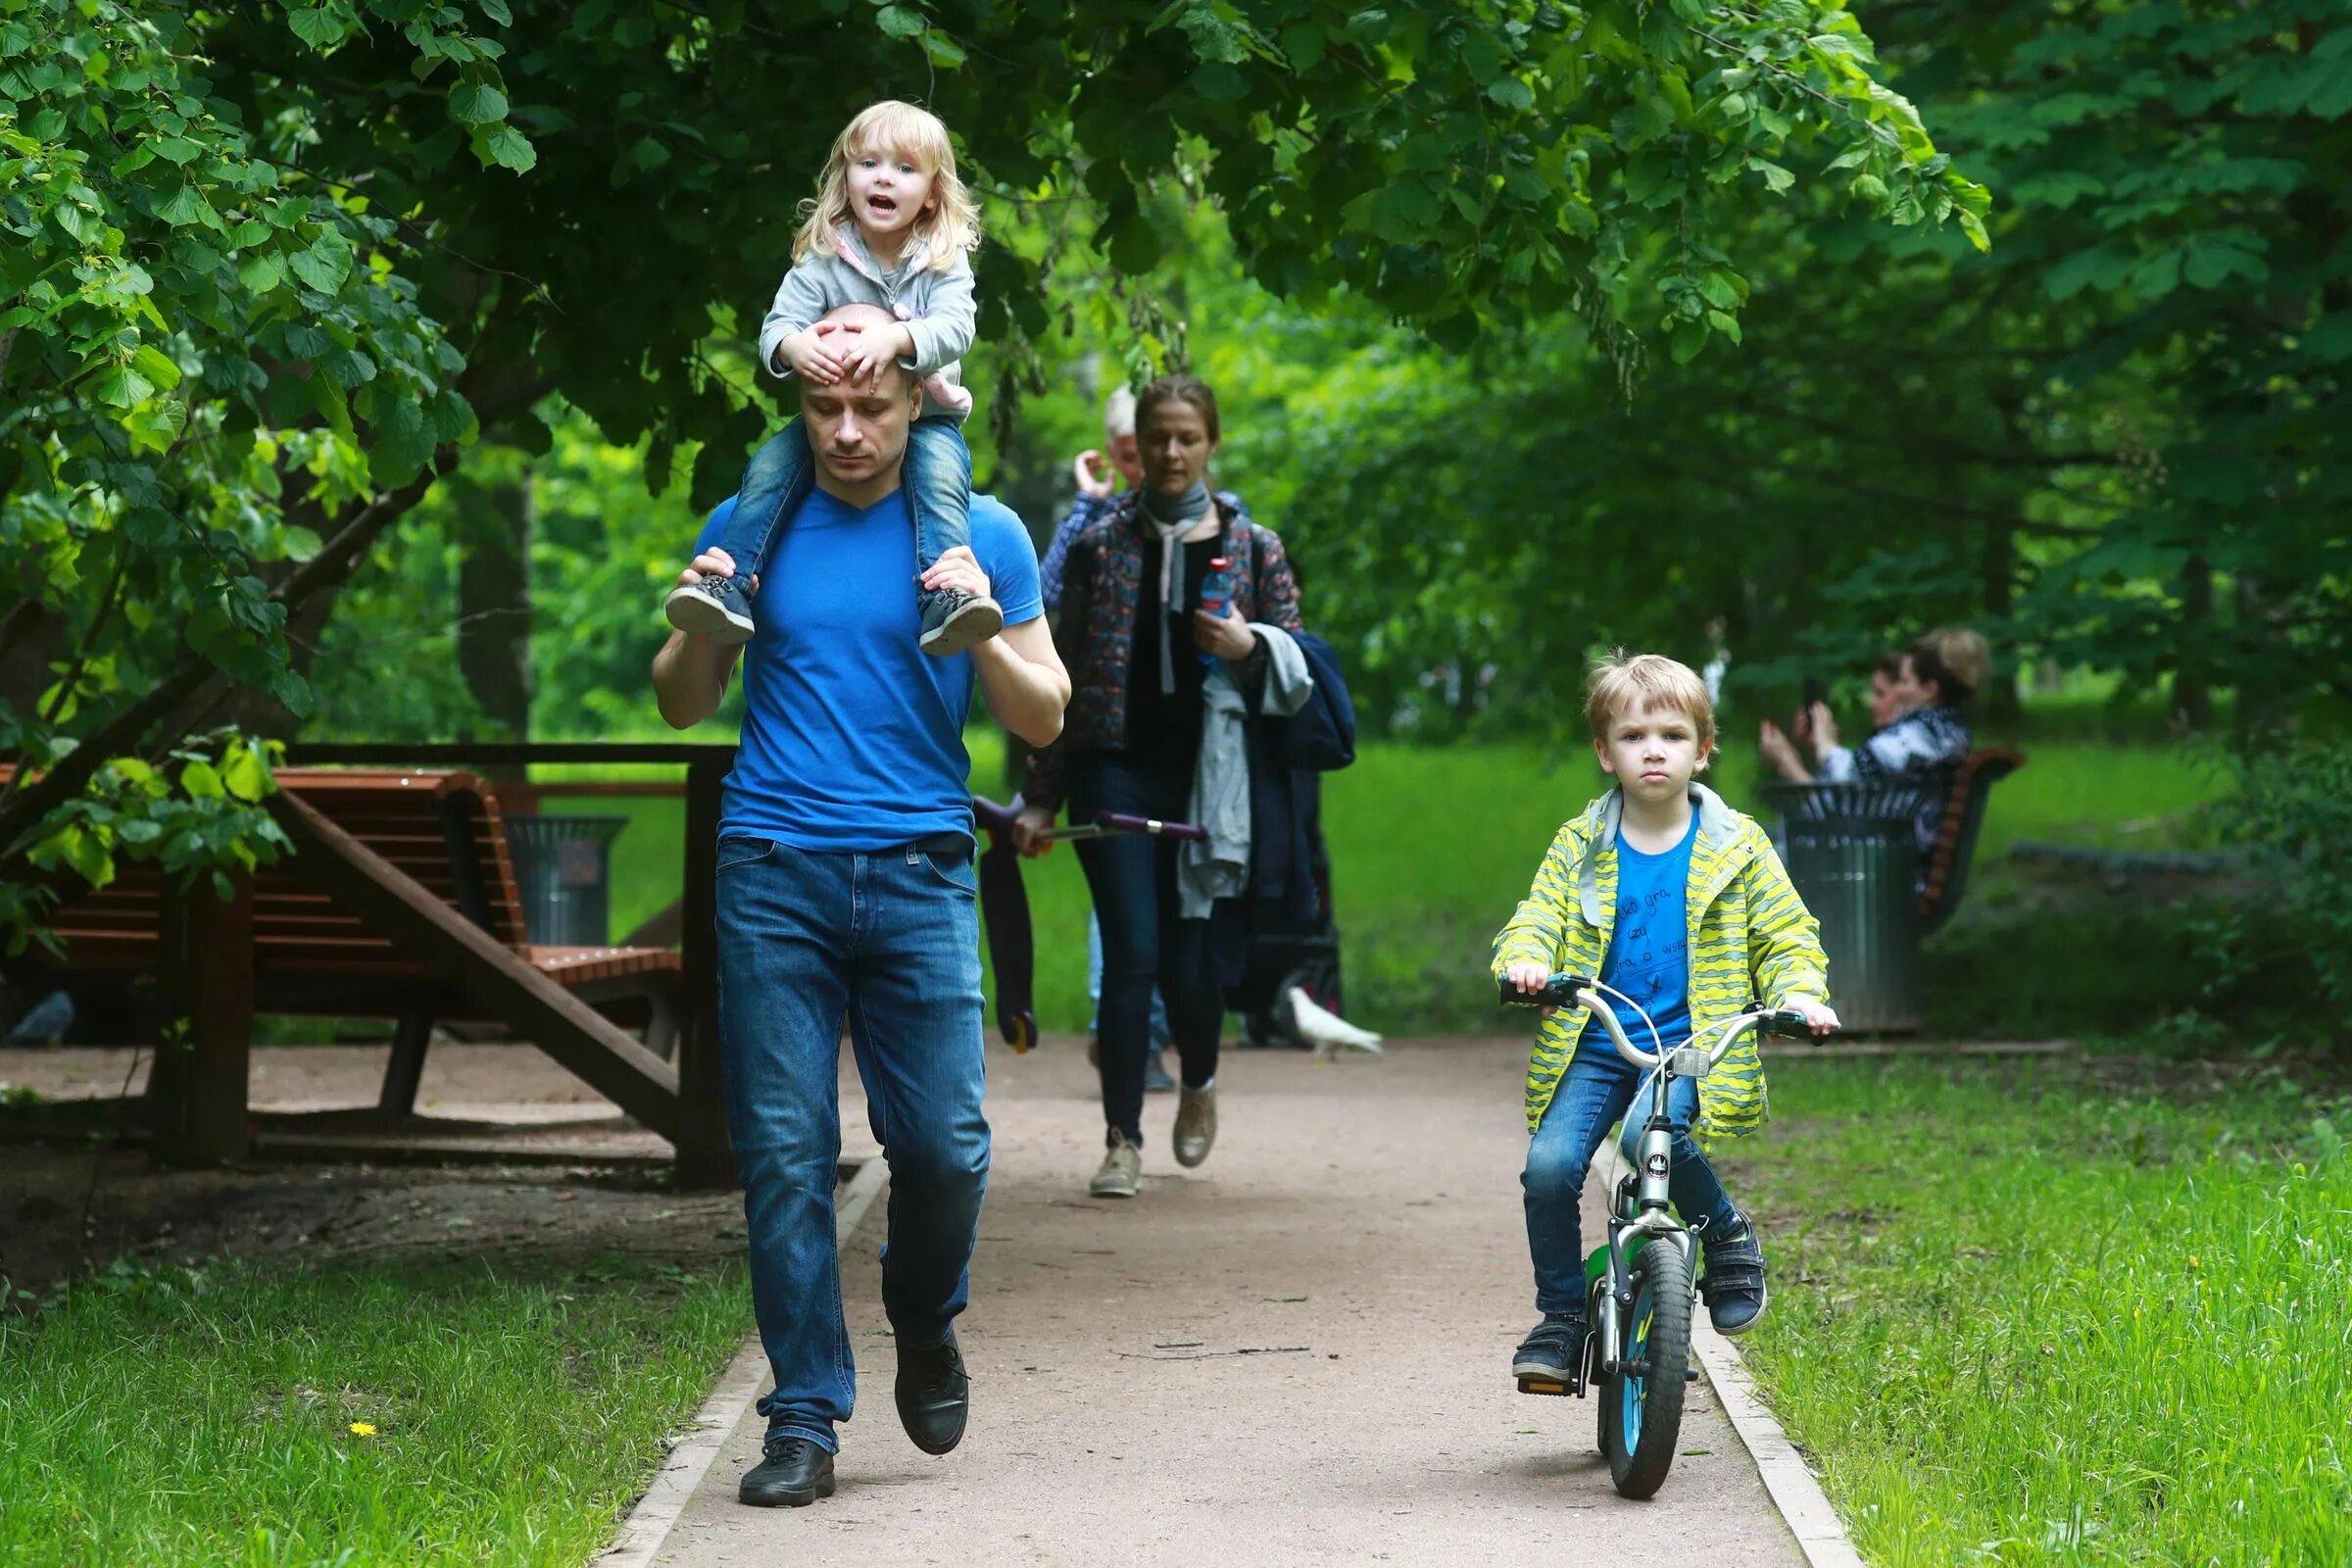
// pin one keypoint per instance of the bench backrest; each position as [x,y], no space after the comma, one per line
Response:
[1947,871]
[444,830]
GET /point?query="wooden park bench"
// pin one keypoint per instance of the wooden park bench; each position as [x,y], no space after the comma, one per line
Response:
[400,902]
[1945,875]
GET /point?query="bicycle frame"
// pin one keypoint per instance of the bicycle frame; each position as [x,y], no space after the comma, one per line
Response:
[1654,1157]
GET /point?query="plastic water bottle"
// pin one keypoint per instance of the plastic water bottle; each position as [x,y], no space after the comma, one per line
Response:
[1216,596]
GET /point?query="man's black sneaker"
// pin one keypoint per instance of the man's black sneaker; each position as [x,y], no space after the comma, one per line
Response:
[1733,1281]
[713,608]
[1552,1358]
[934,1395]
[955,621]
[794,1473]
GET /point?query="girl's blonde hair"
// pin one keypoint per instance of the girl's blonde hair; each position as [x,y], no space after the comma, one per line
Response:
[950,227]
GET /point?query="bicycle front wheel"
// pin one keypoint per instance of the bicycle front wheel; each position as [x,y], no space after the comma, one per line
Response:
[1641,1407]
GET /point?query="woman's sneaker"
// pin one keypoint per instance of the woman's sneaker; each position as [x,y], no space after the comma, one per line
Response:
[955,621]
[1733,1281]
[1551,1357]
[1122,1172]
[714,608]
[1196,1124]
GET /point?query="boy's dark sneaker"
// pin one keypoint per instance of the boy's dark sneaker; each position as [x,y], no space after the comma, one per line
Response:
[955,621]
[1733,1281]
[934,1395]
[1550,1359]
[713,608]
[793,1473]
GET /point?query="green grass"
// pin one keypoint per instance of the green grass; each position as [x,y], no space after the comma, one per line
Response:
[199,1416]
[2022,1318]
[1432,849]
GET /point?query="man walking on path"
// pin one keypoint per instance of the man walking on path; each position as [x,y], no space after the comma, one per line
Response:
[846,890]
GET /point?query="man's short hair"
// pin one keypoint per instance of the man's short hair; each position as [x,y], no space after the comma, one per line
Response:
[1627,683]
[1118,413]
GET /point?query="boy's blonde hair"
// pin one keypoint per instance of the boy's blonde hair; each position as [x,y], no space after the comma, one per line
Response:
[950,227]
[1623,682]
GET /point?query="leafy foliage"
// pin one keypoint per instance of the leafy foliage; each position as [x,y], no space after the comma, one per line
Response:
[266,269]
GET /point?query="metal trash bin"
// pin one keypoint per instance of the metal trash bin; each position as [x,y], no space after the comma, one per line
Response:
[1852,852]
[563,866]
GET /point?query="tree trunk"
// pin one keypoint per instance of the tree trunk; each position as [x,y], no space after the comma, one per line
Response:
[493,601]
[1997,701]
[2193,687]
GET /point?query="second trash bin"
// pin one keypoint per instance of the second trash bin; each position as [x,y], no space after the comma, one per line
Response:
[1850,850]
[564,864]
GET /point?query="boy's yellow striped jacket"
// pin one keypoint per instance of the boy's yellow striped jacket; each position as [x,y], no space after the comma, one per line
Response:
[1750,938]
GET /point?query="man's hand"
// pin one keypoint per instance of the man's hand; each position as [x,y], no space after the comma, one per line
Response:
[1029,827]
[1817,1013]
[1228,636]
[1092,475]
[713,563]
[1525,978]
[809,356]
[866,353]
[957,568]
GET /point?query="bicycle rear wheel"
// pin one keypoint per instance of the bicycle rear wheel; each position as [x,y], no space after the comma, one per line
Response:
[1641,1407]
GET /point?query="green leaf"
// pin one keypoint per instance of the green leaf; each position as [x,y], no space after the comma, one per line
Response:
[157,367]
[300,543]
[477,103]
[901,22]
[319,27]
[506,147]
[1690,340]
[943,51]
[1220,83]
[1726,324]
[1720,291]
[1512,93]
[202,781]
[184,206]
[1775,176]
[1653,116]
[246,778]
[1404,212]
[2213,262]
[261,271]
[496,11]
[325,263]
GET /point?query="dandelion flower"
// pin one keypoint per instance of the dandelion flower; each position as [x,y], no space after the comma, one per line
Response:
[363,1429]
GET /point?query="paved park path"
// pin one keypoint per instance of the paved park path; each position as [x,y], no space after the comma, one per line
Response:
[1296,1355]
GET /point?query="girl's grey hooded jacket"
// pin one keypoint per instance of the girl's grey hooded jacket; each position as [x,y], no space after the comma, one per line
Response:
[935,304]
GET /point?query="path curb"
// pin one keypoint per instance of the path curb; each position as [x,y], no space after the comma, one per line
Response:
[648,1525]
[1793,1487]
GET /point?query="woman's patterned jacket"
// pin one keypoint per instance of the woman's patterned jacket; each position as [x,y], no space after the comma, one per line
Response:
[1102,585]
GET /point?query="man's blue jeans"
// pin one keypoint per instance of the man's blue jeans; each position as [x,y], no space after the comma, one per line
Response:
[1597,1089]
[936,479]
[890,942]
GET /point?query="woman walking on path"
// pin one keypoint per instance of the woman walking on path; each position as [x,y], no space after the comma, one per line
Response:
[1158,686]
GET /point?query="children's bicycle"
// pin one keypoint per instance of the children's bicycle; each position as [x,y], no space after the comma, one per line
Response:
[1640,1284]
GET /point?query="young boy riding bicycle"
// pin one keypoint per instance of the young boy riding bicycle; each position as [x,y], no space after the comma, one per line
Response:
[1678,901]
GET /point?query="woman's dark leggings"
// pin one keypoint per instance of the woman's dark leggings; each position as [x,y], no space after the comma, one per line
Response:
[1133,879]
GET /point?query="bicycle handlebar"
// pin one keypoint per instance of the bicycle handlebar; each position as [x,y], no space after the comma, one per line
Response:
[1576,991]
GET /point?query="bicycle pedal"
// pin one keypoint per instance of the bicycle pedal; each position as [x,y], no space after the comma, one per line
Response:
[1550,1385]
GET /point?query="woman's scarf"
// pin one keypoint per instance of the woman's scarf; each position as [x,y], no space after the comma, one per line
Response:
[1171,518]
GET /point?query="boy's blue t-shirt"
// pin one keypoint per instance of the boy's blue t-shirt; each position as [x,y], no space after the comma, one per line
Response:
[853,736]
[1649,946]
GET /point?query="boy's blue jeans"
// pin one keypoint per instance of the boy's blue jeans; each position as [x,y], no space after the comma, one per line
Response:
[890,940]
[936,481]
[1597,1089]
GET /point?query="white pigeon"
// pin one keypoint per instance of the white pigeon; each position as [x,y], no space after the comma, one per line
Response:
[1327,1032]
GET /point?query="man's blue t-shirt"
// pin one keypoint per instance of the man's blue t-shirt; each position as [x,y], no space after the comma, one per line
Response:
[1649,947]
[853,736]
